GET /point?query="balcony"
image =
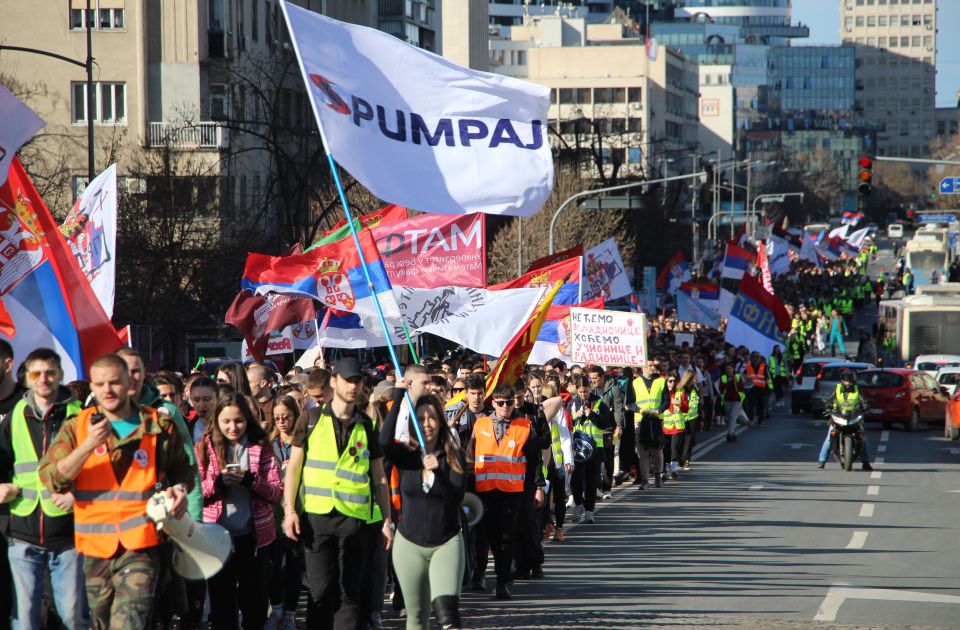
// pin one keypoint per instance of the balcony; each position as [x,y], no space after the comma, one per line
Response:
[187,136]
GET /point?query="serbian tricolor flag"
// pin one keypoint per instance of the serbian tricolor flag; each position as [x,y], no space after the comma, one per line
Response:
[553,342]
[387,214]
[48,301]
[635,304]
[699,302]
[330,274]
[673,274]
[831,248]
[568,294]
[757,320]
[736,261]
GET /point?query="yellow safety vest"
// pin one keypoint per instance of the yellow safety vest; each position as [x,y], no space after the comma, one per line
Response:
[693,412]
[847,401]
[675,420]
[335,481]
[723,379]
[647,400]
[25,466]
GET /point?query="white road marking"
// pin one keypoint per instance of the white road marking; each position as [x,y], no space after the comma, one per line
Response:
[873,489]
[797,445]
[878,460]
[953,451]
[838,593]
[857,540]
[876,474]
[882,448]
[866,510]
[757,486]
[884,436]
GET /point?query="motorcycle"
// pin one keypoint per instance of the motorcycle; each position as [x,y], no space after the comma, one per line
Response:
[846,437]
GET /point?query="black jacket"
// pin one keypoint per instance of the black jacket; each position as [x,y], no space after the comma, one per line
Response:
[55,532]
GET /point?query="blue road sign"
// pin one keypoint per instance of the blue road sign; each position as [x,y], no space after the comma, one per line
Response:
[950,186]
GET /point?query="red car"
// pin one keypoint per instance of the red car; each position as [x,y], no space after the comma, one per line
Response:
[902,395]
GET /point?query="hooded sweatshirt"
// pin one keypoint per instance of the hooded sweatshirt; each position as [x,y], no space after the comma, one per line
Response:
[51,532]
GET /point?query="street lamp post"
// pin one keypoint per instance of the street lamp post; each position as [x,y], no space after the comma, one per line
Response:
[88,66]
[590,193]
[778,197]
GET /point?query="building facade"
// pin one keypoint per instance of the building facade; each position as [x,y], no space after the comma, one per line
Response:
[896,56]
[607,94]
[465,36]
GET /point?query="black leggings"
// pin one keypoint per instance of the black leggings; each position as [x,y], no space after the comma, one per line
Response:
[586,479]
[240,586]
[286,574]
[558,494]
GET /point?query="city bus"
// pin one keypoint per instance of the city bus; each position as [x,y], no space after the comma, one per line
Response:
[919,324]
[926,255]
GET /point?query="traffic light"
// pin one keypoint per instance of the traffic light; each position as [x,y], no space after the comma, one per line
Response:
[864,175]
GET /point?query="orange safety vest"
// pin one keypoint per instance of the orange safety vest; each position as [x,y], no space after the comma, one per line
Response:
[500,465]
[758,377]
[107,514]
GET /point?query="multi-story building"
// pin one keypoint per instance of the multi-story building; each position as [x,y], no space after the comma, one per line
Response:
[948,121]
[187,75]
[607,94]
[414,21]
[896,51]
[507,13]
[465,38]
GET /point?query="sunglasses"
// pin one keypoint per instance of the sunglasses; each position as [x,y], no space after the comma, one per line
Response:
[35,374]
[503,403]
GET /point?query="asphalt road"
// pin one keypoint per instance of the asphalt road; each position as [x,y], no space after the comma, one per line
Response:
[756,536]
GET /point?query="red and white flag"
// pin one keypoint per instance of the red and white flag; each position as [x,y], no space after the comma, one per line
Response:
[764,265]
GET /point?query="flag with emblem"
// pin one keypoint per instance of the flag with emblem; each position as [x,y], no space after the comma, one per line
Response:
[757,320]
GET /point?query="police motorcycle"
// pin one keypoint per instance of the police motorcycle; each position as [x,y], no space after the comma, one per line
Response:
[846,436]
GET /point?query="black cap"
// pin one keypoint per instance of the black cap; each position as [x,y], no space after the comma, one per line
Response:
[347,368]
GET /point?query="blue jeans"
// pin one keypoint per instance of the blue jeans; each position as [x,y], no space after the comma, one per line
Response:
[29,563]
[825,449]
[837,338]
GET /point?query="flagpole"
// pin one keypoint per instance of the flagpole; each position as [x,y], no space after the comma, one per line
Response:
[356,236]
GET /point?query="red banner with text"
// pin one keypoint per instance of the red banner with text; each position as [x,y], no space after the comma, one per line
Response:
[434,250]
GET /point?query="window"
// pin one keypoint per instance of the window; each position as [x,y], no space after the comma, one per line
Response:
[893,42]
[100,19]
[219,102]
[882,42]
[848,22]
[915,41]
[871,21]
[904,41]
[109,103]
[859,20]
[882,20]
[916,20]
[904,20]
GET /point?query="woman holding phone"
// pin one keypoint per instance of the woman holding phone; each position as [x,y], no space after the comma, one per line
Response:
[241,483]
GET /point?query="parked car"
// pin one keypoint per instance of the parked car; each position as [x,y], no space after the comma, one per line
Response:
[902,395]
[948,378]
[827,380]
[931,363]
[951,418]
[804,379]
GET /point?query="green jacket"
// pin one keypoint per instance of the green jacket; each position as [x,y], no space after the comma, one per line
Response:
[150,397]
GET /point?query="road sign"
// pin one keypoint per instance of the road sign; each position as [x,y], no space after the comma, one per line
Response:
[950,186]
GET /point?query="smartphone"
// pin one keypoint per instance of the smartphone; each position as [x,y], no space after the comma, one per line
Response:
[97,418]
[233,467]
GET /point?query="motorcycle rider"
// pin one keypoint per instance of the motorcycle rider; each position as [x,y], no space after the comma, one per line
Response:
[846,398]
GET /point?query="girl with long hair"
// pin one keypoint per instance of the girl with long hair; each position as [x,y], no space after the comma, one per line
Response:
[286,555]
[235,376]
[428,551]
[241,484]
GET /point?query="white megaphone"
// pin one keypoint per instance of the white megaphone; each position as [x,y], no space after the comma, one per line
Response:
[472,508]
[201,548]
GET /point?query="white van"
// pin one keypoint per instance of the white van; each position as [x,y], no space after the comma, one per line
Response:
[895,230]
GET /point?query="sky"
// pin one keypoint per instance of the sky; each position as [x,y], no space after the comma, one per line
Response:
[823,18]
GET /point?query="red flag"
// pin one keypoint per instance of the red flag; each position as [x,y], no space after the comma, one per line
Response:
[386,214]
[764,265]
[551,259]
[7,326]
[258,315]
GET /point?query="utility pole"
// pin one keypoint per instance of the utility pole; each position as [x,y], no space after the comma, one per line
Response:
[694,225]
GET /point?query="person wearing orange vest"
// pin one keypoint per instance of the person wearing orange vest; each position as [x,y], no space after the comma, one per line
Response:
[757,381]
[117,440]
[504,453]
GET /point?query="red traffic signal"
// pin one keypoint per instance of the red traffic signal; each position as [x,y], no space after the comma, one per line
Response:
[864,175]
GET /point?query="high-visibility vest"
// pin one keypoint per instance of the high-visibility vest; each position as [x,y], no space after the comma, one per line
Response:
[693,411]
[500,465]
[673,419]
[777,368]
[756,376]
[647,400]
[338,481]
[555,445]
[847,401]
[108,514]
[25,463]
[588,427]
[736,379]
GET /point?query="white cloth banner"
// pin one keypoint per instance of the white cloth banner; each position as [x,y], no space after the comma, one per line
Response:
[91,231]
[419,130]
[604,272]
[856,239]
[18,123]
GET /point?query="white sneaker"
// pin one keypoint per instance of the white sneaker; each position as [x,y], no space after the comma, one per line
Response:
[589,518]
[570,501]
[606,495]
[577,513]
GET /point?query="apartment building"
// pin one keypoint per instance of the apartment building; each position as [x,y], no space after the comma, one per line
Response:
[607,93]
[465,37]
[896,57]
[189,75]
